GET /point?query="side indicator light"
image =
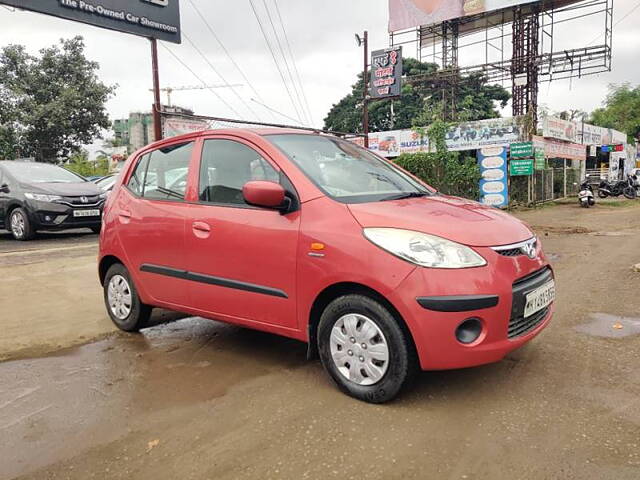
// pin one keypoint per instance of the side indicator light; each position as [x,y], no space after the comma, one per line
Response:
[317,246]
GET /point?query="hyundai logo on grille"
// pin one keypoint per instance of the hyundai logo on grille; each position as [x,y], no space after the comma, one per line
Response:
[529,249]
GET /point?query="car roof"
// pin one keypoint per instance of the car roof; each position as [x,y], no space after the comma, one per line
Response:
[262,132]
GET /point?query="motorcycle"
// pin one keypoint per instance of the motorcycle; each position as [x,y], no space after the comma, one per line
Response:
[615,189]
[585,196]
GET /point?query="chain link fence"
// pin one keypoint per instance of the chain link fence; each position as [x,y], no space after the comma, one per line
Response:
[544,185]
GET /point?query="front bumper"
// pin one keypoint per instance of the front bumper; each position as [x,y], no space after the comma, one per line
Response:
[435,302]
[60,216]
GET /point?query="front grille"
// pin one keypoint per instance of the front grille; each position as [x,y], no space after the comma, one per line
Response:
[516,249]
[76,201]
[521,326]
[518,325]
[513,252]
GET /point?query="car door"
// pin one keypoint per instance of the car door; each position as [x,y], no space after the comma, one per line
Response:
[242,259]
[152,212]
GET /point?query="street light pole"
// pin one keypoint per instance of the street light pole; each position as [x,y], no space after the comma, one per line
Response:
[364,42]
[365,101]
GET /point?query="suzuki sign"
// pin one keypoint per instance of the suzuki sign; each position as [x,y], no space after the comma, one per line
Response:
[147,18]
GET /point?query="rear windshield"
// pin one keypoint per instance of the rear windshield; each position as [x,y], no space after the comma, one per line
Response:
[27,172]
[346,172]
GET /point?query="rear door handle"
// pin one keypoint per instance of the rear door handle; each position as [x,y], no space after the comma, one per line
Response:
[201,229]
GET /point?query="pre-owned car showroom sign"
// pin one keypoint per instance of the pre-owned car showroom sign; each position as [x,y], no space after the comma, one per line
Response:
[148,18]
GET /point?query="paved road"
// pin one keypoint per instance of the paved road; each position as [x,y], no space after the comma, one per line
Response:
[43,240]
[199,399]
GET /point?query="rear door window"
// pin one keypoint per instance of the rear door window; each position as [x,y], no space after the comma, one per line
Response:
[137,177]
[166,177]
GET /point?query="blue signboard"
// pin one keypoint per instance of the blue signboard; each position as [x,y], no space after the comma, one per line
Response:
[493,183]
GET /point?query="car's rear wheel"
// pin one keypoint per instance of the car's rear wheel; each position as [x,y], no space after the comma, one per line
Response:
[20,225]
[123,303]
[364,349]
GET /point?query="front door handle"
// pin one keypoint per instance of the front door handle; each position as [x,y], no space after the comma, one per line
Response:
[125,216]
[201,229]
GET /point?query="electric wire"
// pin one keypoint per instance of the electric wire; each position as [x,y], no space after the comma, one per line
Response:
[226,51]
[286,63]
[293,59]
[215,70]
[230,107]
[264,34]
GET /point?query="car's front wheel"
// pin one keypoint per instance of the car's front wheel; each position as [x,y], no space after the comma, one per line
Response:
[20,225]
[364,349]
[123,302]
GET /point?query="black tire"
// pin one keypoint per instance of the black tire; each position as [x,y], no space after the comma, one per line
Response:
[25,231]
[96,229]
[402,362]
[138,313]
[602,194]
[630,193]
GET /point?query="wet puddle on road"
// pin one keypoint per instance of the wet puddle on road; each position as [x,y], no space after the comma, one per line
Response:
[95,394]
[610,326]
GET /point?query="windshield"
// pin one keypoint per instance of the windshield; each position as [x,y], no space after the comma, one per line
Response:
[346,172]
[27,172]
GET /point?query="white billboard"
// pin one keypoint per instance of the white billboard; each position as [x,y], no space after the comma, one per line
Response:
[404,14]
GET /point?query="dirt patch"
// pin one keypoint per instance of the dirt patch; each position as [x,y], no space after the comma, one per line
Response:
[561,230]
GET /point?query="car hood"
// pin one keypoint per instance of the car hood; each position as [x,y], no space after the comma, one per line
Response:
[75,189]
[456,219]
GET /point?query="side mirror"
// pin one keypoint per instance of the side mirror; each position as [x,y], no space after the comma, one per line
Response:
[4,188]
[264,194]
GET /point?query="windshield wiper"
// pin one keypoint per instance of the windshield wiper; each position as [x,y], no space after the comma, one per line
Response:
[402,196]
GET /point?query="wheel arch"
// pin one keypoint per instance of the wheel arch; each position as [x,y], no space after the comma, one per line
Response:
[330,293]
[106,263]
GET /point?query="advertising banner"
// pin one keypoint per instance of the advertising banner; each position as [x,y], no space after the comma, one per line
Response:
[474,135]
[493,181]
[405,14]
[521,167]
[559,129]
[148,18]
[174,126]
[386,73]
[592,135]
[557,149]
[521,150]
[396,142]
[540,160]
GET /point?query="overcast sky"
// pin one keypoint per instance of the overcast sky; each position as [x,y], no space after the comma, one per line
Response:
[323,44]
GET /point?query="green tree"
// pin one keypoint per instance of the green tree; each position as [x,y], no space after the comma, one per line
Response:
[621,110]
[80,164]
[452,173]
[52,103]
[476,100]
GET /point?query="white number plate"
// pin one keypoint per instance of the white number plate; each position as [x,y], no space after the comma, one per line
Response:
[540,298]
[86,213]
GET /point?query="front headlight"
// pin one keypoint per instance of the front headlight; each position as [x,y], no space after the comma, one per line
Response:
[423,249]
[42,198]
[104,195]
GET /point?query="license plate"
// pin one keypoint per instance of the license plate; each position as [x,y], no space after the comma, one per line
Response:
[86,213]
[540,298]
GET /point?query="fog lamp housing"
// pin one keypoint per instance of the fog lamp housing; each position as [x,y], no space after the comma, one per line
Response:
[469,331]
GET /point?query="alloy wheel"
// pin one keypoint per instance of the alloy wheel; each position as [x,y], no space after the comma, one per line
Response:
[359,349]
[17,224]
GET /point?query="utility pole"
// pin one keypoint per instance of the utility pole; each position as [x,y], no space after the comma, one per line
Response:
[157,106]
[364,41]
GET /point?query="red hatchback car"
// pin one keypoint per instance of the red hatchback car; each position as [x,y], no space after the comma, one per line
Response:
[312,237]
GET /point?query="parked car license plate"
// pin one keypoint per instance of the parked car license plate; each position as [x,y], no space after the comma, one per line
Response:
[86,213]
[540,298]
